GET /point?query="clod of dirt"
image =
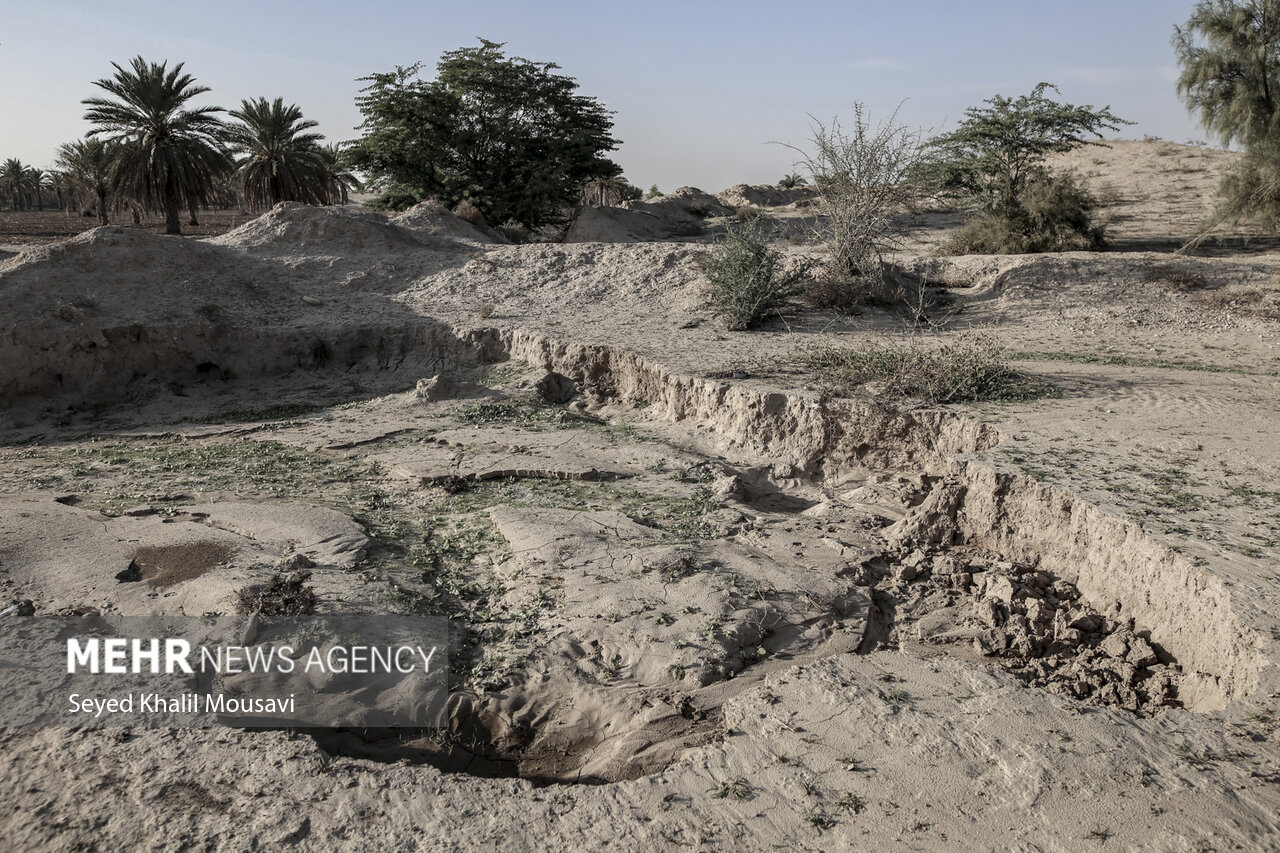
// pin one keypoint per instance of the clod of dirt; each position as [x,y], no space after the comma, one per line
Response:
[282,596]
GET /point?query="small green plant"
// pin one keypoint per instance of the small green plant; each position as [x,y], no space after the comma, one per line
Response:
[792,180]
[653,192]
[747,281]
[738,789]
[972,367]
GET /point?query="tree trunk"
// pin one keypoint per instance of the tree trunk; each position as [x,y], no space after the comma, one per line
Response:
[102,208]
[191,208]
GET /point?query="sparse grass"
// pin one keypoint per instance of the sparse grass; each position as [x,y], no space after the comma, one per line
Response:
[973,367]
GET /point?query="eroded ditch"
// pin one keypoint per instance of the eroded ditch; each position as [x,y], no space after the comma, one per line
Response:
[624,561]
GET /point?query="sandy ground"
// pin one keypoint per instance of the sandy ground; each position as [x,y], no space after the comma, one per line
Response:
[761,617]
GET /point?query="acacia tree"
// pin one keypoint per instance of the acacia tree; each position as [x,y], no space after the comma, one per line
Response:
[997,158]
[508,135]
[170,153]
[1229,52]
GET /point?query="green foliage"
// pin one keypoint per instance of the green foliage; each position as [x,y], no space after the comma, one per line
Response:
[653,192]
[1056,215]
[746,279]
[971,368]
[394,199]
[506,134]
[792,180]
[89,170]
[1230,57]
[996,160]
[170,154]
[279,161]
[1229,52]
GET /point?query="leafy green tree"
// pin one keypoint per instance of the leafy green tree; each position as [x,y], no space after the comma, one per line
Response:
[279,161]
[793,180]
[170,153]
[997,158]
[997,150]
[89,166]
[1229,52]
[509,135]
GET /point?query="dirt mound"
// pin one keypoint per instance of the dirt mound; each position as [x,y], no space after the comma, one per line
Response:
[324,231]
[436,220]
[115,275]
[689,201]
[622,225]
[763,195]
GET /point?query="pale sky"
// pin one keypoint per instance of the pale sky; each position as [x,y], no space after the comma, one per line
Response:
[700,89]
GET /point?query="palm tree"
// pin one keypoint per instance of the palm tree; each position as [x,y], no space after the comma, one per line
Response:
[90,167]
[604,192]
[338,181]
[169,154]
[13,175]
[279,161]
[38,182]
[791,181]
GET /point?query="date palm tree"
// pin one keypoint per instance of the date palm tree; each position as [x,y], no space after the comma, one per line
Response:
[338,180]
[170,153]
[279,161]
[90,169]
[13,176]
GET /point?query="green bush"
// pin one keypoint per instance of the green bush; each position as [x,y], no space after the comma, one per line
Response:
[970,368]
[394,200]
[1056,214]
[747,281]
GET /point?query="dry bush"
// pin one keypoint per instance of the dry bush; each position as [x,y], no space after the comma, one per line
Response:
[486,310]
[745,213]
[515,231]
[865,179]
[970,368]
[470,213]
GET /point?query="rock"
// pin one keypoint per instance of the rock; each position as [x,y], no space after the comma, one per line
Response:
[990,612]
[1140,653]
[1084,620]
[1000,588]
[438,387]
[1065,591]
[729,488]
[1114,645]
[1038,612]
[556,388]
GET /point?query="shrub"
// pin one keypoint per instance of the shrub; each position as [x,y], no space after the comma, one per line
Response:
[971,368]
[746,279]
[863,178]
[1056,214]
[394,200]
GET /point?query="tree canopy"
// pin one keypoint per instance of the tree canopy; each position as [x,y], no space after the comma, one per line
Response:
[1230,57]
[170,153]
[997,150]
[509,135]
